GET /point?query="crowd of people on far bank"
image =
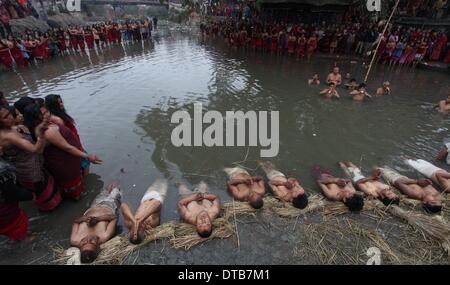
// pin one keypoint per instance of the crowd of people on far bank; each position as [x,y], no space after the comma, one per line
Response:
[352,35]
[25,49]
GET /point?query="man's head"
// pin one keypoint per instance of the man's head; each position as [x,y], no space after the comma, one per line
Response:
[386,84]
[204,225]
[89,248]
[432,203]
[316,76]
[353,81]
[136,234]
[336,70]
[354,203]
[332,85]
[300,202]
[389,198]
[255,200]
[362,87]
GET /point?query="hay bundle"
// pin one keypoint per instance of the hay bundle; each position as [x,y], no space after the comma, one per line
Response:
[433,226]
[343,241]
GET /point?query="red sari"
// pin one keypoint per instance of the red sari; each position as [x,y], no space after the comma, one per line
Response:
[41,51]
[18,56]
[301,47]
[65,168]
[5,57]
[74,41]
[109,35]
[274,44]
[291,46]
[89,40]
[16,230]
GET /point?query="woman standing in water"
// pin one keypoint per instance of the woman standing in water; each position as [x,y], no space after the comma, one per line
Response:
[62,154]
[20,151]
[55,106]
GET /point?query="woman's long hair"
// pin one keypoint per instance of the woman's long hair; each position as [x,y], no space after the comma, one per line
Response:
[52,105]
[32,117]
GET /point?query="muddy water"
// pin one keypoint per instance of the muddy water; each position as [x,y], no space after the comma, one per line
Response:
[122,99]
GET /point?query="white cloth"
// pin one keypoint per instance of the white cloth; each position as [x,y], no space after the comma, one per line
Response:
[390,175]
[355,173]
[232,172]
[156,191]
[424,167]
[274,173]
[152,195]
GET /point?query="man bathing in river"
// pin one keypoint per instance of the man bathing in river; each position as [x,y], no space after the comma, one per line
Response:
[443,106]
[371,186]
[421,189]
[338,189]
[246,188]
[444,154]
[199,208]
[360,93]
[315,80]
[351,85]
[334,77]
[385,89]
[286,189]
[97,225]
[148,214]
[330,92]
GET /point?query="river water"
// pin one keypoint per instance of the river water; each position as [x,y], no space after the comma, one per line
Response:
[122,99]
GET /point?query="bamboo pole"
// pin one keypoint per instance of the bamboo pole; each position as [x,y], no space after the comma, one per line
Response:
[379,42]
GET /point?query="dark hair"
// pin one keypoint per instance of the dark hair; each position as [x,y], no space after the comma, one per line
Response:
[387,201]
[88,256]
[40,102]
[353,80]
[256,203]
[205,233]
[362,85]
[22,103]
[432,209]
[331,83]
[12,111]
[32,117]
[355,203]
[2,95]
[52,104]
[301,201]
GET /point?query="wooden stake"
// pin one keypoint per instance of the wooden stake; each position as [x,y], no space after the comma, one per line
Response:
[379,42]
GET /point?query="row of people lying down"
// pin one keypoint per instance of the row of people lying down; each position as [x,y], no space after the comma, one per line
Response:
[200,208]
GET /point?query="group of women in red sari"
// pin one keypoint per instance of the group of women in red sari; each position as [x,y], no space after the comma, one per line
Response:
[24,49]
[40,142]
